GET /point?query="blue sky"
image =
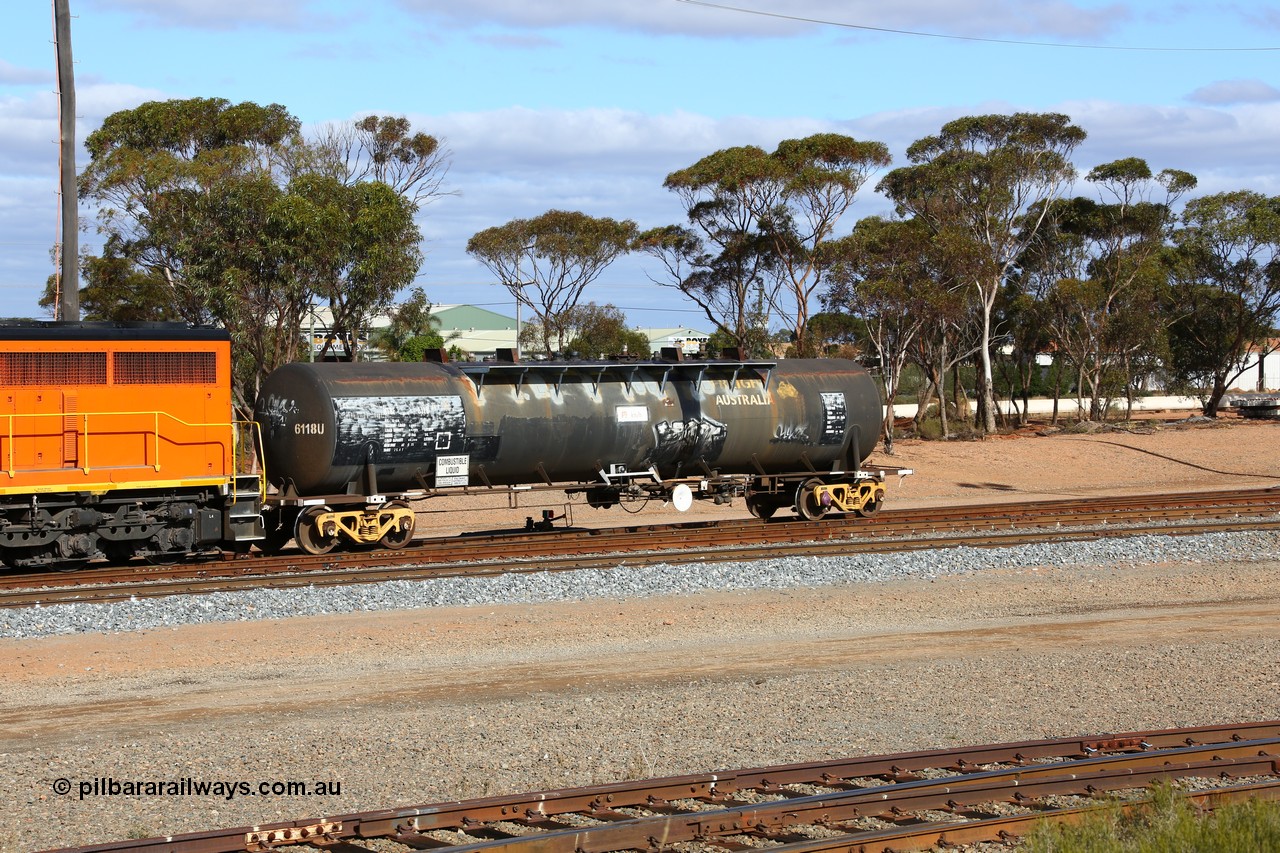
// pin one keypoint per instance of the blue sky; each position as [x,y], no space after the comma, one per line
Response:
[589,104]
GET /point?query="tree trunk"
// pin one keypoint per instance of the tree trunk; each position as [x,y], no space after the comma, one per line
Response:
[1215,396]
[957,392]
[986,387]
[887,426]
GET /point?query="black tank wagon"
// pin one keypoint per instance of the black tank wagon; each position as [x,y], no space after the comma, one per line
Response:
[347,445]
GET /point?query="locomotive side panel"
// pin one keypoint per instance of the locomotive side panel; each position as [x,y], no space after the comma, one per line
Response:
[117,440]
[91,408]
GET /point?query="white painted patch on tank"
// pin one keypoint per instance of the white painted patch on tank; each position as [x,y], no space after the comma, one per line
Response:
[835,417]
[392,430]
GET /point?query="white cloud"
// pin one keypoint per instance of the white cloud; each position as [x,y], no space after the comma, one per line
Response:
[1238,141]
[963,17]
[223,15]
[14,75]
[521,162]
[1225,92]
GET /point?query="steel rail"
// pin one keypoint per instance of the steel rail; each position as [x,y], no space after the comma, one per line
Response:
[1005,828]
[896,523]
[1102,511]
[410,568]
[1093,765]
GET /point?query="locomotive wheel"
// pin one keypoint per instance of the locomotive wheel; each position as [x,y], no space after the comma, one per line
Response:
[762,508]
[397,537]
[119,552]
[308,534]
[807,503]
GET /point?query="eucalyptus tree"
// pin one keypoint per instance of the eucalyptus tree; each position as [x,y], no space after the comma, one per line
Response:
[759,222]
[413,329]
[880,274]
[1226,270]
[385,149]
[730,287]
[819,178]
[146,167]
[1122,240]
[362,248]
[973,186]
[721,261]
[187,207]
[948,337]
[547,262]
[227,215]
[601,330]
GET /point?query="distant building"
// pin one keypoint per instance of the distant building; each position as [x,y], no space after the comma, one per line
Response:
[478,331]
[1262,368]
[689,340]
[316,326]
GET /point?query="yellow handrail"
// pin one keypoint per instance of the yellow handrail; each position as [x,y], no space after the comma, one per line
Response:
[154,433]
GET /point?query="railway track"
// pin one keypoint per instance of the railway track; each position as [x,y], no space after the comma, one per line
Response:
[991,525]
[905,801]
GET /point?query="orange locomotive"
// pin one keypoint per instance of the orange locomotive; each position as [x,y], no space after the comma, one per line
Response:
[117,440]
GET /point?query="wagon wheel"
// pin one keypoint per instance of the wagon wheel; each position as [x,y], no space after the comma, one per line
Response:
[761,507]
[398,536]
[308,534]
[871,507]
[807,503]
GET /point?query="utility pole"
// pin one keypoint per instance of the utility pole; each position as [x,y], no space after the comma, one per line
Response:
[69,298]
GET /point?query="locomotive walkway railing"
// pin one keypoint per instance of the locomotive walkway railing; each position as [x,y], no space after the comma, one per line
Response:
[121,441]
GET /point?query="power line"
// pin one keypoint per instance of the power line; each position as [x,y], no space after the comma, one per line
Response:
[920,34]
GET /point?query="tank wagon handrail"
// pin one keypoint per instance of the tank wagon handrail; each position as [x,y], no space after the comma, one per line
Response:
[83,439]
[694,371]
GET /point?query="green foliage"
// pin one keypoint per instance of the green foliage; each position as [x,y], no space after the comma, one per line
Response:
[833,332]
[1167,823]
[221,213]
[759,224]
[1226,272]
[116,290]
[754,342]
[981,187]
[413,330]
[601,330]
[546,262]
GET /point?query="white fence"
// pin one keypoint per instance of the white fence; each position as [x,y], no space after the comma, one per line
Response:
[1067,406]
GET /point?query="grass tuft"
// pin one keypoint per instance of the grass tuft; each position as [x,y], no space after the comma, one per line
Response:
[1166,823]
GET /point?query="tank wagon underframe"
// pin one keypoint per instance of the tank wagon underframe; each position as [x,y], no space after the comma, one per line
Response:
[344,443]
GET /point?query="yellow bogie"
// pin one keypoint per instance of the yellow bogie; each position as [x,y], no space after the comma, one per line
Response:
[320,528]
[863,497]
